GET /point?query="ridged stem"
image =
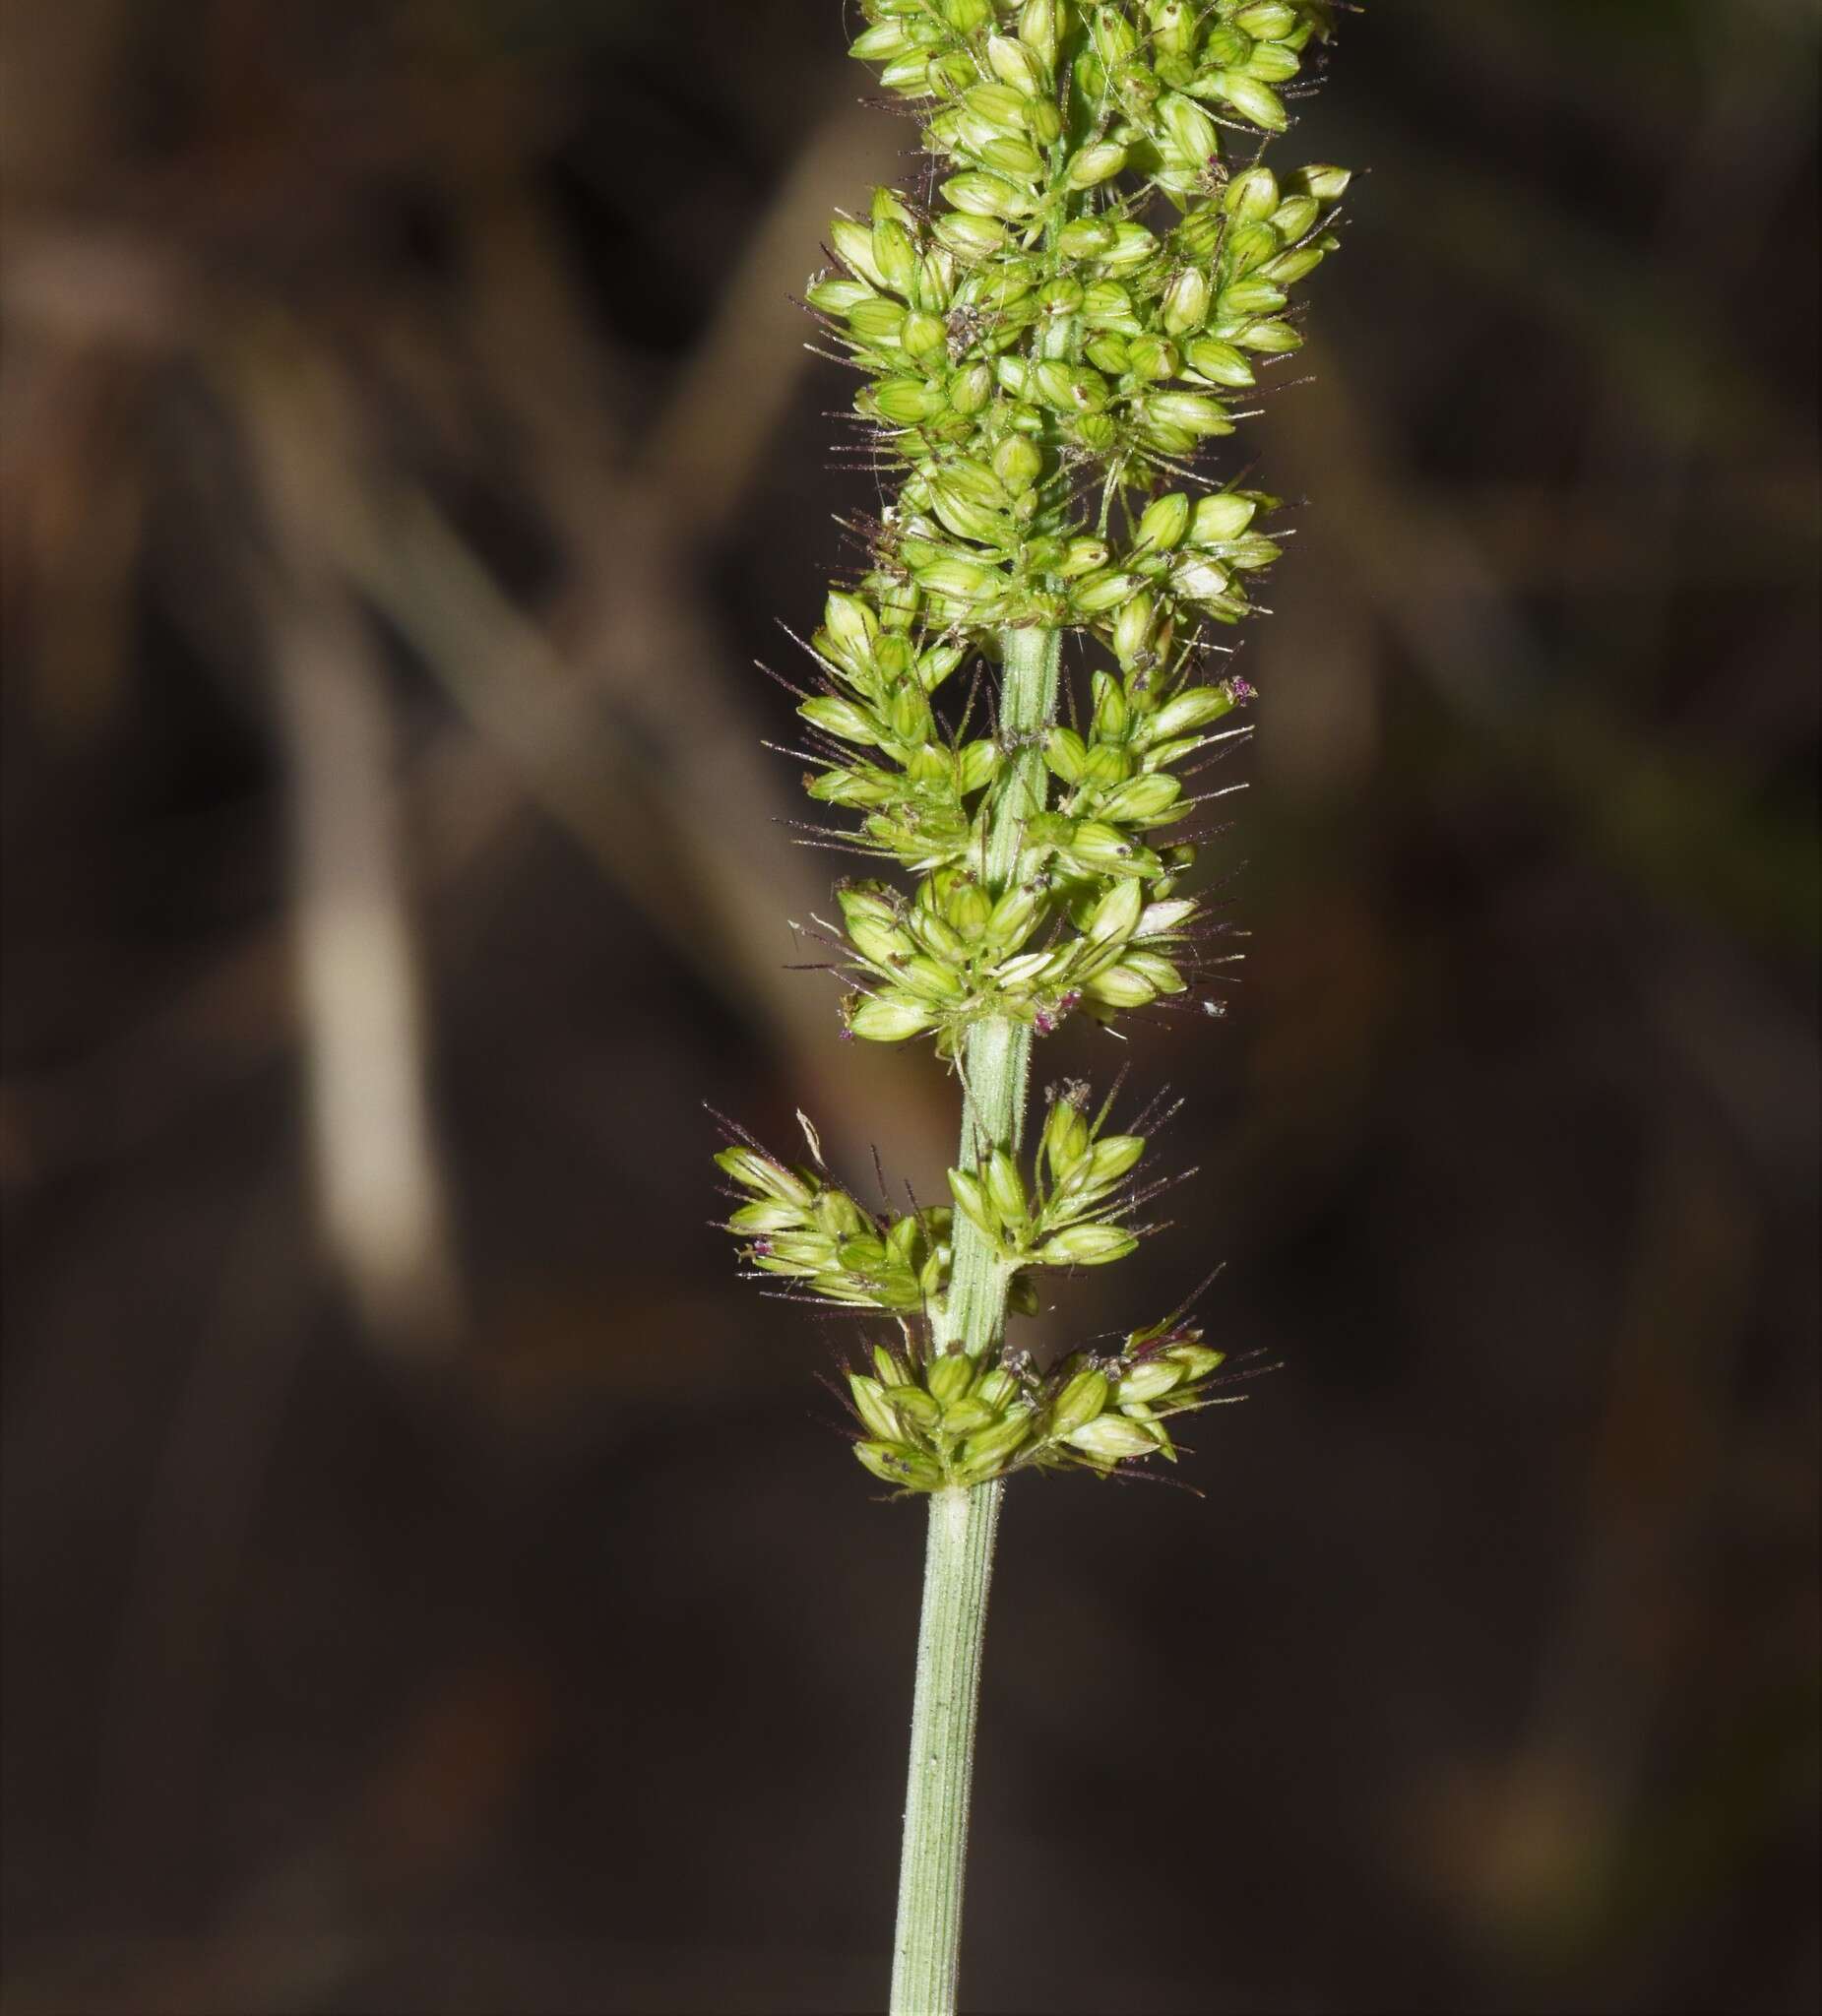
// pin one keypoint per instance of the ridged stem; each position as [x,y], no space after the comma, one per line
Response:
[958,1556]
[996,1058]
[958,1564]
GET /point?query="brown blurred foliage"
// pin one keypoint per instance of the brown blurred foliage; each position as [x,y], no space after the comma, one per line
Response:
[431,1583]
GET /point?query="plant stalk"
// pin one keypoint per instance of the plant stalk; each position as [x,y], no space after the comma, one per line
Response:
[959,1552]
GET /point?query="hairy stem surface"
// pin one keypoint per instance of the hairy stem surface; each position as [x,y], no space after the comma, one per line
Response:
[958,1556]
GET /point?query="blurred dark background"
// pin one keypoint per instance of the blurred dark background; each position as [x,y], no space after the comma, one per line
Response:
[432,1581]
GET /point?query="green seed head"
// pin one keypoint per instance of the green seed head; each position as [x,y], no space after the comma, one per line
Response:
[1052,352]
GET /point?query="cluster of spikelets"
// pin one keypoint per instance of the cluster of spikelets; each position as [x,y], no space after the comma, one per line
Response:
[933,1419]
[1072,1209]
[1050,337]
[1045,355]
[934,1422]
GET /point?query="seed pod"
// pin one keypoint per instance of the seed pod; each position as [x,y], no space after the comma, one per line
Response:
[1103,591]
[1078,1403]
[835,295]
[1113,1157]
[886,1017]
[1251,197]
[1199,578]
[1038,30]
[984,1455]
[988,196]
[851,624]
[765,1217]
[1271,21]
[970,390]
[1132,246]
[1187,128]
[1152,358]
[1121,986]
[908,75]
[906,401]
[958,580]
[1166,918]
[950,1377]
[1069,387]
[1186,301]
[1218,362]
[1272,338]
[969,238]
[1195,412]
[898,1463]
[881,42]
[1005,1189]
[1112,1438]
[838,717]
[1325,183]
[854,246]
[1253,551]
[885,945]
[971,1200]
[1187,712]
[976,766]
[1018,462]
[1080,557]
[1116,915]
[874,1410]
[895,257]
[753,1171]
[1165,521]
[1087,1245]
[1253,100]
[1156,970]
[1115,40]
[1253,296]
[1094,164]
[1143,801]
[1065,1139]
[1018,64]
[998,1388]
[1196,1360]
[1132,628]
[1221,518]
[919,1409]
[921,335]
[968,519]
[1291,267]
[1104,848]
[1151,1379]
[1296,215]
[1173,28]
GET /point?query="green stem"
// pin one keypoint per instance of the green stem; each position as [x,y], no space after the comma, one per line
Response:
[958,1556]
[958,1563]
[996,1058]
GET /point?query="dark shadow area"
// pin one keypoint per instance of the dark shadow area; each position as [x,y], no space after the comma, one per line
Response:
[432,1583]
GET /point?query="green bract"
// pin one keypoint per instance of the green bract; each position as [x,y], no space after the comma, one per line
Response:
[1054,346]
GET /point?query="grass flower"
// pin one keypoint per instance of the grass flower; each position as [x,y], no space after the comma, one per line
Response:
[1056,335]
